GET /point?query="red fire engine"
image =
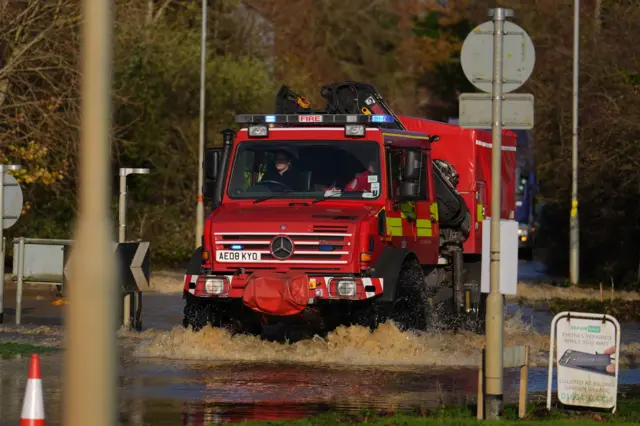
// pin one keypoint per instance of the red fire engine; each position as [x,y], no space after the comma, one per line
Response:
[348,215]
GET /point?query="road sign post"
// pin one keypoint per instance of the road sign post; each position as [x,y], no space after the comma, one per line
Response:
[11,203]
[122,236]
[494,320]
[496,65]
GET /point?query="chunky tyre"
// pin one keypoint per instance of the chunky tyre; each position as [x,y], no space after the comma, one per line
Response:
[410,309]
[197,314]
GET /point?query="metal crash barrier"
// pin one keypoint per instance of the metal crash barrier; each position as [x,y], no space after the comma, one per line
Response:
[46,262]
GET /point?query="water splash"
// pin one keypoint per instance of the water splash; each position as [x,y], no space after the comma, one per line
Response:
[387,345]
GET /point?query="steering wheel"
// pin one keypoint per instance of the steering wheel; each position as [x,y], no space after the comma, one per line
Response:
[277,183]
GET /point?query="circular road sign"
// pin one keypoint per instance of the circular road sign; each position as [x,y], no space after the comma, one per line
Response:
[13,201]
[518,58]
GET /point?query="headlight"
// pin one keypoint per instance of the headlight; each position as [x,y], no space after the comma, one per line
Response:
[346,288]
[214,285]
[523,232]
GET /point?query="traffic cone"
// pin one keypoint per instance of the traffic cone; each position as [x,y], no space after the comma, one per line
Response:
[33,405]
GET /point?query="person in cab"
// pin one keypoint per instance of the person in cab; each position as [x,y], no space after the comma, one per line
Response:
[283,173]
[362,181]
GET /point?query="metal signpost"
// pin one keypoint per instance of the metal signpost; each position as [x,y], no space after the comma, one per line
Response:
[574,225]
[122,232]
[513,58]
[11,203]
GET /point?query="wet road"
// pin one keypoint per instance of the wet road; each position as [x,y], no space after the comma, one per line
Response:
[171,377]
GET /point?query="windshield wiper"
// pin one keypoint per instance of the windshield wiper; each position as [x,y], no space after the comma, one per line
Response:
[268,197]
[335,195]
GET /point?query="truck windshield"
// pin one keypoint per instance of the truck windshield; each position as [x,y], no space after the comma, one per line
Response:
[305,169]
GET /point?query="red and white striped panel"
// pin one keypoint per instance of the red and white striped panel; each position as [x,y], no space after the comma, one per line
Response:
[321,287]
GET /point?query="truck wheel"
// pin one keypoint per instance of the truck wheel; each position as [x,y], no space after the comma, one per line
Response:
[410,309]
[196,314]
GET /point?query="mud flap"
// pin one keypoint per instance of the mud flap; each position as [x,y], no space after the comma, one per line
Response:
[277,294]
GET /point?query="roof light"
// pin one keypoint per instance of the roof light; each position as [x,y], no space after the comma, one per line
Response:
[354,130]
[381,118]
[258,131]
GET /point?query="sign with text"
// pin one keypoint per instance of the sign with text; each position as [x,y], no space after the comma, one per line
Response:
[586,354]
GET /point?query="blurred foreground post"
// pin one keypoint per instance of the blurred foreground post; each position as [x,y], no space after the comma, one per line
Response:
[90,357]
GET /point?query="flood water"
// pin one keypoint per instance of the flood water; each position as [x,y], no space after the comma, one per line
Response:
[171,376]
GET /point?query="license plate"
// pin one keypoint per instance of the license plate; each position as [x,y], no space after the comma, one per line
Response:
[237,256]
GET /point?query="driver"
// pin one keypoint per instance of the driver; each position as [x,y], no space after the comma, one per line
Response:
[283,172]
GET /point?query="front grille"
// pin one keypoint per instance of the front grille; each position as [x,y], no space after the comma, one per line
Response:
[322,246]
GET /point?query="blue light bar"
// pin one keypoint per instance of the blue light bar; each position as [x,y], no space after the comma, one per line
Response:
[236,247]
[382,118]
[314,119]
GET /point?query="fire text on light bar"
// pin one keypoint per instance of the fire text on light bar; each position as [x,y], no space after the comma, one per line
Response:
[310,119]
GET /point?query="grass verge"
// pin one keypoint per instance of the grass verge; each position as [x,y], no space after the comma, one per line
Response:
[14,348]
[628,413]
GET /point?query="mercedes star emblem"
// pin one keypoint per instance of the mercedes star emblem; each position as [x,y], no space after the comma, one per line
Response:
[281,247]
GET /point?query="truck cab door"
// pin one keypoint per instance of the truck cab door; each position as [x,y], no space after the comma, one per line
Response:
[412,223]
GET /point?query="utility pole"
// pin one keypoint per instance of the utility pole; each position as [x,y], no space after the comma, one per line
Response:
[90,358]
[494,317]
[203,66]
[574,245]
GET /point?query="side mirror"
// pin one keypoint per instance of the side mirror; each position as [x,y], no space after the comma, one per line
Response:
[211,169]
[411,169]
[409,191]
[434,138]
[212,163]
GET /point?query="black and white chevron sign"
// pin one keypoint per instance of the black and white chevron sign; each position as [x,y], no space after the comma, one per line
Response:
[134,265]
